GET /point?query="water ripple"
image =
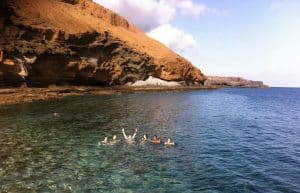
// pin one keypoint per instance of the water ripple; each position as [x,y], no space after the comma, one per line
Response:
[230,140]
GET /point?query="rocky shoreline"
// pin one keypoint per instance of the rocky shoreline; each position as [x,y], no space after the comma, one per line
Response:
[14,95]
[31,94]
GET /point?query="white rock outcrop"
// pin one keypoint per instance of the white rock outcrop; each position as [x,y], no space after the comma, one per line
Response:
[152,81]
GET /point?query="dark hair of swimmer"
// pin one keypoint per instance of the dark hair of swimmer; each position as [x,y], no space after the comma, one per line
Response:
[154,136]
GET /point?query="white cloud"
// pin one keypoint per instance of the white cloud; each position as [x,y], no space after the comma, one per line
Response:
[187,7]
[149,14]
[278,4]
[173,37]
[275,5]
[146,14]
[218,12]
[155,16]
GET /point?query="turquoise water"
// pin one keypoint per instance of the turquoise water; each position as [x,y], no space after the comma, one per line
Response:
[229,140]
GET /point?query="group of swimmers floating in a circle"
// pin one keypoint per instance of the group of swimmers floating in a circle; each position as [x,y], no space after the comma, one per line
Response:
[130,140]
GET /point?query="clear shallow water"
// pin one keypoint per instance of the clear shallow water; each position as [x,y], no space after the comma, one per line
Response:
[230,140]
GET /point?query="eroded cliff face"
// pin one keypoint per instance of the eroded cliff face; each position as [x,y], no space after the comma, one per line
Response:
[79,42]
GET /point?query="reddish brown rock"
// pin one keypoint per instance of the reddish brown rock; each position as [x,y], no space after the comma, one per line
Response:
[78,41]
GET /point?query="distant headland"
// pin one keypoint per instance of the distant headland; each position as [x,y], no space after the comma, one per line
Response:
[229,81]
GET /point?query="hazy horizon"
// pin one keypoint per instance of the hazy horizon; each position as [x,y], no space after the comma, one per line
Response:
[257,40]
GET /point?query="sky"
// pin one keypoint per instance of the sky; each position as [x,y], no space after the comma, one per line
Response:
[255,39]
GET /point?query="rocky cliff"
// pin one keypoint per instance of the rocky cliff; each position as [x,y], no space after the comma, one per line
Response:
[79,42]
[222,81]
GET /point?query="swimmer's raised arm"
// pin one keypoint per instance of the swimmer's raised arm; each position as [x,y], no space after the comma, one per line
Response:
[124,134]
[134,134]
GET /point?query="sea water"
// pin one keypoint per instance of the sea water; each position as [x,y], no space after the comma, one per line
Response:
[227,140]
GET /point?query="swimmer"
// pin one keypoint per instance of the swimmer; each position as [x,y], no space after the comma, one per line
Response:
[114,140]
[155,140]
[129,138]
[104,142]
[169,142]
[144,139]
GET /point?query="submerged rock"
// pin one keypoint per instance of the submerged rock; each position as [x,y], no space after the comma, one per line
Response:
[80,42]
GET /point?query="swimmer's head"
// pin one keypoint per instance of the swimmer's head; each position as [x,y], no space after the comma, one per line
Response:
[129,136]
[155,137]
[145,136]
[114,137]
[105,139]
[169,140]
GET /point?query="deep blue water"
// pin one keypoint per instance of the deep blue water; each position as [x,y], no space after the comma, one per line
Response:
[228,140]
